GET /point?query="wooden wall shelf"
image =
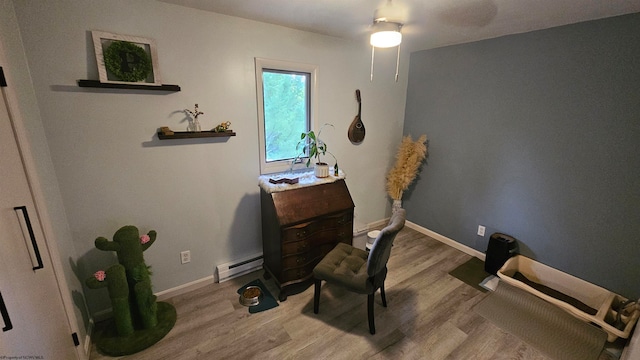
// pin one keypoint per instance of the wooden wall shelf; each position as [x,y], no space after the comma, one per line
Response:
[194,135]
[132,86]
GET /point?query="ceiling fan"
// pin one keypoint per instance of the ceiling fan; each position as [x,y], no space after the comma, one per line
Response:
[386,30]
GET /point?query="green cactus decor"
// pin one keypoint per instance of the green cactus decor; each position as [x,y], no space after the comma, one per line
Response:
[115,279]
[139,321]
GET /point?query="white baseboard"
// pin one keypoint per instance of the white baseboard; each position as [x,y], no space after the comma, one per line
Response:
[185,288]
[162,295]
[454,244]
[379,223]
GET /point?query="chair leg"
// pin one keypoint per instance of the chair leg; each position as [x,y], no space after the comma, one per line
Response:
[316,296]
[384,298]
[372,325]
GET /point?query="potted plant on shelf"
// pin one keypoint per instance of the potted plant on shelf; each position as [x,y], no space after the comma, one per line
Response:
[312,146]
[194,124]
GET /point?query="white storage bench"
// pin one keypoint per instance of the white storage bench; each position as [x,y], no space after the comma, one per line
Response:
[582,299]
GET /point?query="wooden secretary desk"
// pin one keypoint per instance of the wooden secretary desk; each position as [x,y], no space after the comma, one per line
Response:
[300,225]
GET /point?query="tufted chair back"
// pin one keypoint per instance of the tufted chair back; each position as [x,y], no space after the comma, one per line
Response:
[381,249]
[357,270]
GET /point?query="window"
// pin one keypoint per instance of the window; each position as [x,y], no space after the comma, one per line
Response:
[286,106]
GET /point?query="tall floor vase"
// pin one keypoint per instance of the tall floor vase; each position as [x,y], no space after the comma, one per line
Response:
[397,204]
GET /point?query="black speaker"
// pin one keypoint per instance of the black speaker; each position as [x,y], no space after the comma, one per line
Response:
[501,247]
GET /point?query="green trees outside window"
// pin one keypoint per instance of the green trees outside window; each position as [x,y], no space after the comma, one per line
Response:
[286,112]
[287,107]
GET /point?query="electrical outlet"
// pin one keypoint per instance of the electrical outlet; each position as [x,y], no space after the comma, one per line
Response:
[480,230]
[185,257]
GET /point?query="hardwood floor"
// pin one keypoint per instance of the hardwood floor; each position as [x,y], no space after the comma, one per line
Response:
[429,316]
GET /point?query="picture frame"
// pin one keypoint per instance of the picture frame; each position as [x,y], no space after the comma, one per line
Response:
[126,59]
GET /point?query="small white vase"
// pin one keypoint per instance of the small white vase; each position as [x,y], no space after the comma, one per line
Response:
[397,204]
[196,125]
[321,170]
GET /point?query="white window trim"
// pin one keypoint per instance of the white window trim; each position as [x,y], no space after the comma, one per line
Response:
[261,63]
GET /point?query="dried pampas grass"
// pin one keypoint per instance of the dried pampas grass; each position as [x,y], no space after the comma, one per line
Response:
[408,160]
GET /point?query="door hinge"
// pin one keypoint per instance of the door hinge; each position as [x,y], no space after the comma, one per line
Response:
[3,80]
[76,341]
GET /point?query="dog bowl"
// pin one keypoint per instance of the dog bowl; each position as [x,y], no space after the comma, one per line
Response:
[251,296]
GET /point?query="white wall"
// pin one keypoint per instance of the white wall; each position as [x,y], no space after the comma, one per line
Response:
[199,195]
[40,167]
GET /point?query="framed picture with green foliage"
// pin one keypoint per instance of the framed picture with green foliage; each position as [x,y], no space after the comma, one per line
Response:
[125,59]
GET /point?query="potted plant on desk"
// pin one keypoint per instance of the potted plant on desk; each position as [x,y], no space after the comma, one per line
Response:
[312,146]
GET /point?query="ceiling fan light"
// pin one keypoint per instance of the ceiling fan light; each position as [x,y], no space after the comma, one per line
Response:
[386,35]
[386,39]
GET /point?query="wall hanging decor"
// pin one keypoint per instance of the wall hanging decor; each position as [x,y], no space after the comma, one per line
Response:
[356,130]
[125,59]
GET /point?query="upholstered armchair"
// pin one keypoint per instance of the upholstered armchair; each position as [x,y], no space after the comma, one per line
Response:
[359,271]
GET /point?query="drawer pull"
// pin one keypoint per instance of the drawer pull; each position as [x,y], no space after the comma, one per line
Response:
[301,233]
[344,220]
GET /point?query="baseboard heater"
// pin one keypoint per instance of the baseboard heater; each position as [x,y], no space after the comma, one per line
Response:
[237,268]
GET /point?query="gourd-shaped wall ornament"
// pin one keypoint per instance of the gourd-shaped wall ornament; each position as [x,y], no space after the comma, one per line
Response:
[139,321]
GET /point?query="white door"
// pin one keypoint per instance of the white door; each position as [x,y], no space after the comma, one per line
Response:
[34,323]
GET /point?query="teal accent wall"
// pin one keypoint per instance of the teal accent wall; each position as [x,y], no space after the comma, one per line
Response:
[536,135]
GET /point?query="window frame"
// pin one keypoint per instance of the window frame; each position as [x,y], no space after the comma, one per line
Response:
[283,66]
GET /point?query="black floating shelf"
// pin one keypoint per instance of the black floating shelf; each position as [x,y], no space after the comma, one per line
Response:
[98,84]
[194,135]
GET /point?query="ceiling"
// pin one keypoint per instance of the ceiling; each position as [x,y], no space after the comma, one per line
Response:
[427,24]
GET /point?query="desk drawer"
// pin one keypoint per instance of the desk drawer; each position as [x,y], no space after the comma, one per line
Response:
[340,222]
[332,237]
[313,256]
